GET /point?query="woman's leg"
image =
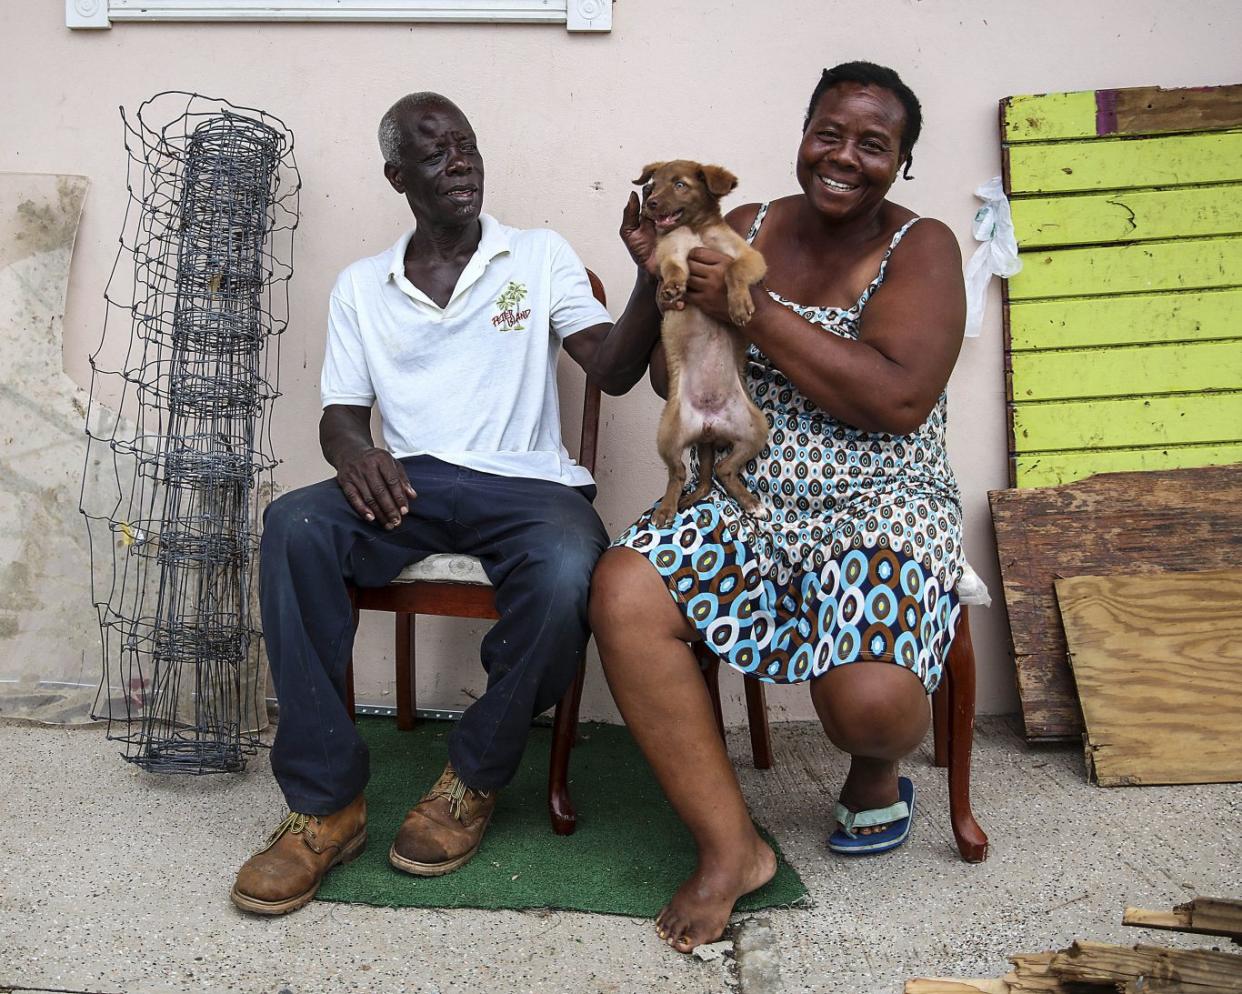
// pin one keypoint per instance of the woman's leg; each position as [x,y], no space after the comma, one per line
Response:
[878,713]
[655,680]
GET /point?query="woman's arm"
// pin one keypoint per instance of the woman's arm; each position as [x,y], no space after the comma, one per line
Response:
[891,377]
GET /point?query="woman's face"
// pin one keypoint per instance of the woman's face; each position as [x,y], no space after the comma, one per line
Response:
[851,149]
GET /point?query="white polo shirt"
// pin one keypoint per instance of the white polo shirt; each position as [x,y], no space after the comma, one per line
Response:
[472,383]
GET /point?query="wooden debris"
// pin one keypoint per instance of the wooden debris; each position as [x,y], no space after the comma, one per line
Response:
[1203,916]
[1101,968]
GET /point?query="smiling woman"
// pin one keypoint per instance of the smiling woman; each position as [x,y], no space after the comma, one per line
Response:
[847,583]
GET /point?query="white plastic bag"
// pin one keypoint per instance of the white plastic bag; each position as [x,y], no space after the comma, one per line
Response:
[997,256]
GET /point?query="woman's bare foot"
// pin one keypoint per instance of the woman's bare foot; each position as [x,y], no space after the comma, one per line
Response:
[700,909]
[871,783]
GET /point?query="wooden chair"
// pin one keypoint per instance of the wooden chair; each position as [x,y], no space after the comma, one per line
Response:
[953,717]
[456,586]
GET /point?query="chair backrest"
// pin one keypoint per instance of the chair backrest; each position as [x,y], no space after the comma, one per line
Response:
[591,399]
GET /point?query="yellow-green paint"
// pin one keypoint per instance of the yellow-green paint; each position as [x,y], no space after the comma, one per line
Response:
[1051,469]
[1083,322]
[1127,423]
[1146,370]
[1049,116]
[1125,163]
[1129,215]
[1143,267]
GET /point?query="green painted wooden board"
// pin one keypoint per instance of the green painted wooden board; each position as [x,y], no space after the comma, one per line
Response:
[1132,319]
[1048,116]
[1127,423]
[1132,110]
[1188,264]
[1116,372]
[1128,216]
[1122,164]
[1051,469]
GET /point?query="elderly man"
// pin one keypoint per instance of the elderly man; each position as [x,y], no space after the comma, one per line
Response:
[454,332]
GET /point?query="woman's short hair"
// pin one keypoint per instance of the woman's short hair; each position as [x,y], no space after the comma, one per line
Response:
[870,74]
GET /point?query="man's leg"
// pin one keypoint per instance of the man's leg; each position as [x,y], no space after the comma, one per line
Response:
[313,543]
[539,543]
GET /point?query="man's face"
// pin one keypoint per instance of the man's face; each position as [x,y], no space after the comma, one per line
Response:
[441,170]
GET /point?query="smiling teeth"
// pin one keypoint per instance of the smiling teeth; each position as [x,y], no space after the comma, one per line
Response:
[834,185]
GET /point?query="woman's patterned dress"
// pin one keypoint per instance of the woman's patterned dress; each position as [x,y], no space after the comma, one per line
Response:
[862,551]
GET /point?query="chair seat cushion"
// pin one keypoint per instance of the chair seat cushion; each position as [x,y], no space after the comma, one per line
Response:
[971,589]
[445,568]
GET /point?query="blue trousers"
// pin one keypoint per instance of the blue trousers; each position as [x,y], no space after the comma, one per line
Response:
[538,542]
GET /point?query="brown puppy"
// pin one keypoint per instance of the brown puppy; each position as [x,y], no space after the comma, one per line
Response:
[707,400]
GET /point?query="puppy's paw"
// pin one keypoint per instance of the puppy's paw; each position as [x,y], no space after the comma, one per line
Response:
[663,516]
[671,292]
[741,308]
[759,512]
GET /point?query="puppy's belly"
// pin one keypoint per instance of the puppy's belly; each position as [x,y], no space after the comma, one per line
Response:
[712,399]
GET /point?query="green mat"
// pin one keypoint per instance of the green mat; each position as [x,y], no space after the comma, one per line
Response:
[628,855]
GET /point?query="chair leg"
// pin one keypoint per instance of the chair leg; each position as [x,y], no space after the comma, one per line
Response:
[709,663]
[349,665]
[971,841]
[564,731]
[406,702]
[940,720]
[757,717]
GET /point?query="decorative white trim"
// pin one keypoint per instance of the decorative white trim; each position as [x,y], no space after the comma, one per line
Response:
[576,15]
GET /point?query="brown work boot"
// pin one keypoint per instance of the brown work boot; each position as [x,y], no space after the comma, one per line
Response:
[443,830]
[286,873]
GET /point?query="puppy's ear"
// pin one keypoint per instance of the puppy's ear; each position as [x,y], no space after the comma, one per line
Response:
[648,172]
[718,179]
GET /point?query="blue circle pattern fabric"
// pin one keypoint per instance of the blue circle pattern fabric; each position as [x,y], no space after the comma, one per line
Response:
[861,554]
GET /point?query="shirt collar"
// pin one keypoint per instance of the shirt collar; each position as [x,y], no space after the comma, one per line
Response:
[493,241]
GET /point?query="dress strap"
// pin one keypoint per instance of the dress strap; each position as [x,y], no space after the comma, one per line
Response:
[757,222]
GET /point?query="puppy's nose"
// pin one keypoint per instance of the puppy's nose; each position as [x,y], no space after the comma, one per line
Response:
[653,203]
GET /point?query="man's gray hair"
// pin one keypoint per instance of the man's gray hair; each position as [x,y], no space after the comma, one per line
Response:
[391,133]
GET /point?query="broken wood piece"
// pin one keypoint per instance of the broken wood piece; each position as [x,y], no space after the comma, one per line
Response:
[1099,962]
[1157,659]
[953,985]
[1202,916]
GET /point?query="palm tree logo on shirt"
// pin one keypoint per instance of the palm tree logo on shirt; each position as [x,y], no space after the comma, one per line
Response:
[510,313]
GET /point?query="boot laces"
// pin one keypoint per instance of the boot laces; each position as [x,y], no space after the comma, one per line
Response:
[294,823]
[451,787]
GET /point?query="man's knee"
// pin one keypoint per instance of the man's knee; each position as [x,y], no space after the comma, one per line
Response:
[297,522]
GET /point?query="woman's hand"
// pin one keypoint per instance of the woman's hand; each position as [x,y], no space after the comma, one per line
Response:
[639,234]
[705,288]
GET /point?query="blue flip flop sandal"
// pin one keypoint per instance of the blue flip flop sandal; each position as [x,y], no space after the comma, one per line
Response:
[896,816]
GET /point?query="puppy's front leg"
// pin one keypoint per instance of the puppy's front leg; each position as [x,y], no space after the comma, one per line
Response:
[673,276]
[747,269]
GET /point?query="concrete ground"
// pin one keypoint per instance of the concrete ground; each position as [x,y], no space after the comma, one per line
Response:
[112,880]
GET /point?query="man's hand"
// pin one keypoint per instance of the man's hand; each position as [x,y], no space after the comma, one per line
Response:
[639,234]
[376,486]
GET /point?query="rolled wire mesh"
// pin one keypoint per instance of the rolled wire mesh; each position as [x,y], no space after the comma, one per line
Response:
[200,291]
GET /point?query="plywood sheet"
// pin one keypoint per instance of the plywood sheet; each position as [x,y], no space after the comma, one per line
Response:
[1133,523]
[1157,660]
[1135,110]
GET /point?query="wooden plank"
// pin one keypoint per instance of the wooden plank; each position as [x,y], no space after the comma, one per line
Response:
[1127,422]
[1187,264]
[1051,469]
[1048,116]
[1099,962]
[1217,916]
[952,985]
[1174,521]
[1132,319]
[1136,110]
[1123,372]
[1128,216]
[1158,665]
[1124,164]
[1148,110]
